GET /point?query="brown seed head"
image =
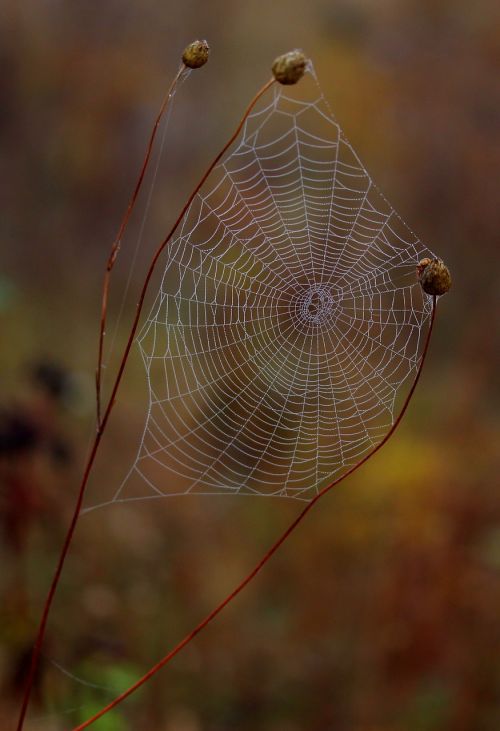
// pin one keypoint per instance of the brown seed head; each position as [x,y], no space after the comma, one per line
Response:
[434,276]
[196,54]
[290,67]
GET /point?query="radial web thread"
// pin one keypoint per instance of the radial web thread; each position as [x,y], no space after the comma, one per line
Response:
[288,319]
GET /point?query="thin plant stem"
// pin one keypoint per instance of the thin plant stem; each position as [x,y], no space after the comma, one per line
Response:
[101,427]
[115,248]
[271,551]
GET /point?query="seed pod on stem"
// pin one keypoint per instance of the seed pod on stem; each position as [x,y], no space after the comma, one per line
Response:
[434,276]
[290,67]
[196,54]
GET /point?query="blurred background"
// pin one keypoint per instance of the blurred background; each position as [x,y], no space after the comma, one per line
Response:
[382,613]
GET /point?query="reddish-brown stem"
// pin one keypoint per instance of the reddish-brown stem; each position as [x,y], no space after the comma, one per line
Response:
[187,639]
[115,248]
[103,422]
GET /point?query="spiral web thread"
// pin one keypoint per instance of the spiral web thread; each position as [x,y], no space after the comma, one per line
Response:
[288,318]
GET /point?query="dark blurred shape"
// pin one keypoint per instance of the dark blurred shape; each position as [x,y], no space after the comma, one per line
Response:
[18,433]
[54,380]
[60,451]
[22,434]
[33,445]
[17,677]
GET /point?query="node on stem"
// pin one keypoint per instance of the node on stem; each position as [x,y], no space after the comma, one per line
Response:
[290,67]
[196,54]
[434,276]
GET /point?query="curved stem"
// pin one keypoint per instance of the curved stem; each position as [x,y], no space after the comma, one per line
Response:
[115,248]
[271,551]
[102,424]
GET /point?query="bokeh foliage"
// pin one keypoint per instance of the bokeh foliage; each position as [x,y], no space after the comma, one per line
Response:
[382,613]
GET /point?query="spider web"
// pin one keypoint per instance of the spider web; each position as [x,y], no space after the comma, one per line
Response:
[288,319]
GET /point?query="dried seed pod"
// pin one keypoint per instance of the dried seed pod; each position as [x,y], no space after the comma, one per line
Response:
[196,54]
[434,276]
[290,67]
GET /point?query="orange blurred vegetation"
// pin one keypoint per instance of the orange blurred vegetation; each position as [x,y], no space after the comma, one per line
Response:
[383,611]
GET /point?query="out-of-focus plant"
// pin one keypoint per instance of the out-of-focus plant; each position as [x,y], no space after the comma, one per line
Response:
[22,434]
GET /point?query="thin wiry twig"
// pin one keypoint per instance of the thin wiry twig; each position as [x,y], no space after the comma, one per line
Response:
[187,639]
[115,248]
[107,412]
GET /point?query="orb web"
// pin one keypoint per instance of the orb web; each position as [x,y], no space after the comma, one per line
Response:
[289,318]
